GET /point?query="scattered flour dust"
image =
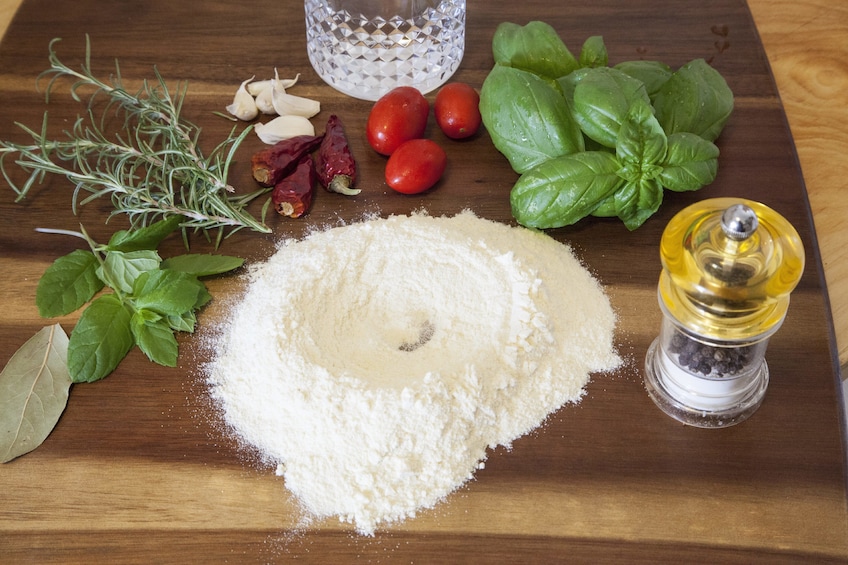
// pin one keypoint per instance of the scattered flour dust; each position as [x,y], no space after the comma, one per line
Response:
[376,362]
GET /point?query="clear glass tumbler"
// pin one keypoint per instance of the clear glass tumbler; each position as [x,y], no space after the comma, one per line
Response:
[364,48]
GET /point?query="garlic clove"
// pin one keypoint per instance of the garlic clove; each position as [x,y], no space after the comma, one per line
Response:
[264,101]
[284,127]
[256,87]
[243,106]
[289,105]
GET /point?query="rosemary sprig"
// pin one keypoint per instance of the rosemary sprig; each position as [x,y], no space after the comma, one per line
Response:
[153,168]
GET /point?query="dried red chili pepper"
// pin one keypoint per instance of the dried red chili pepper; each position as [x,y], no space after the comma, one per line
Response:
[271,164]
[334,163]
[293,194]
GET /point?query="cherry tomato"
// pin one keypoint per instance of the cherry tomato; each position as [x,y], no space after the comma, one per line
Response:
[457,110]
[398,116]
[415,166]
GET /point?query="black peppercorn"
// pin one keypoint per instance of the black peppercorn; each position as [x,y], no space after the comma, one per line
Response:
[706,359]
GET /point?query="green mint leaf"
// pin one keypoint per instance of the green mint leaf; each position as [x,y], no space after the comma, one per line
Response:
[202,265]
[120,269]
[146,238]
[203,296]
[184,323]
[100,340]
[67,284]
[155,339]
[147,316]
[169,293]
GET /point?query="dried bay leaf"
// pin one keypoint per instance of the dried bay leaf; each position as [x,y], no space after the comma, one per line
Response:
[34,388]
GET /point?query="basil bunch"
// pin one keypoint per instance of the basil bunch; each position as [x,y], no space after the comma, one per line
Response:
[150,298]
[590,139]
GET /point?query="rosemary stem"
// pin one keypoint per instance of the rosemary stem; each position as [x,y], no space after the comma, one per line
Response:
[61,232]
[151,168]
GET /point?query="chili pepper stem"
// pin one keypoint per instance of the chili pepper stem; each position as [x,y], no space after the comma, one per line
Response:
[341,184]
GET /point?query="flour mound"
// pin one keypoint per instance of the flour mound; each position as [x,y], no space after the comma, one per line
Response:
[376,362]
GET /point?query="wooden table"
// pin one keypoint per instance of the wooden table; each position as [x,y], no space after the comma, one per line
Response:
[806,45]
[138,470]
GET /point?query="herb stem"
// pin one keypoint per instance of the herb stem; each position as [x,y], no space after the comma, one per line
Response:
[61,232]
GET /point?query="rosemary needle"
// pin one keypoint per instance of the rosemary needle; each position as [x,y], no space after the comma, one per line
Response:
[151,169]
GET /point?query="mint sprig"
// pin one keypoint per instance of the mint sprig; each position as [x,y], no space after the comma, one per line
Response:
[150,299]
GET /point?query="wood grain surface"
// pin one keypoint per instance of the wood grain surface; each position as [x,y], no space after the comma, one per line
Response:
[139,469]
[807,46]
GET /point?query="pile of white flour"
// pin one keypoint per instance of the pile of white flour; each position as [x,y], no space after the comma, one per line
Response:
[376,362]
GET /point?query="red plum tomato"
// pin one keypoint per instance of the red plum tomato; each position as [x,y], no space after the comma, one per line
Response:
[415,166]
[457,110]
[399,115]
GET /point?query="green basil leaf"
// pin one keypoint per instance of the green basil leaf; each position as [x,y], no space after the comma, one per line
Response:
[68,283]
[653,74]
[641,143]
[147,237]
[632,171]
[202,265]
[696,99]
[606,208]
[34,388]
[561,191]
[156,340]
[691,162]
[535,47]
[120,270]
[100,340]
[594,53]
[602,99]
[638,201]
[167,292]
[527,118]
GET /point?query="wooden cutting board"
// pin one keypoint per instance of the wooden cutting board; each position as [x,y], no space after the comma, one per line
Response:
[139,470]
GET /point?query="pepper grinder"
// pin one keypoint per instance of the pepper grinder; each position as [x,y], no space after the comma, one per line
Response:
[729,266]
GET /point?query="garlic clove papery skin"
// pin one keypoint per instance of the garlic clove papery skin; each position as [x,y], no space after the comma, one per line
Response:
[287,104]
[243,106]
[264,99]
[287,82]
[284,127]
